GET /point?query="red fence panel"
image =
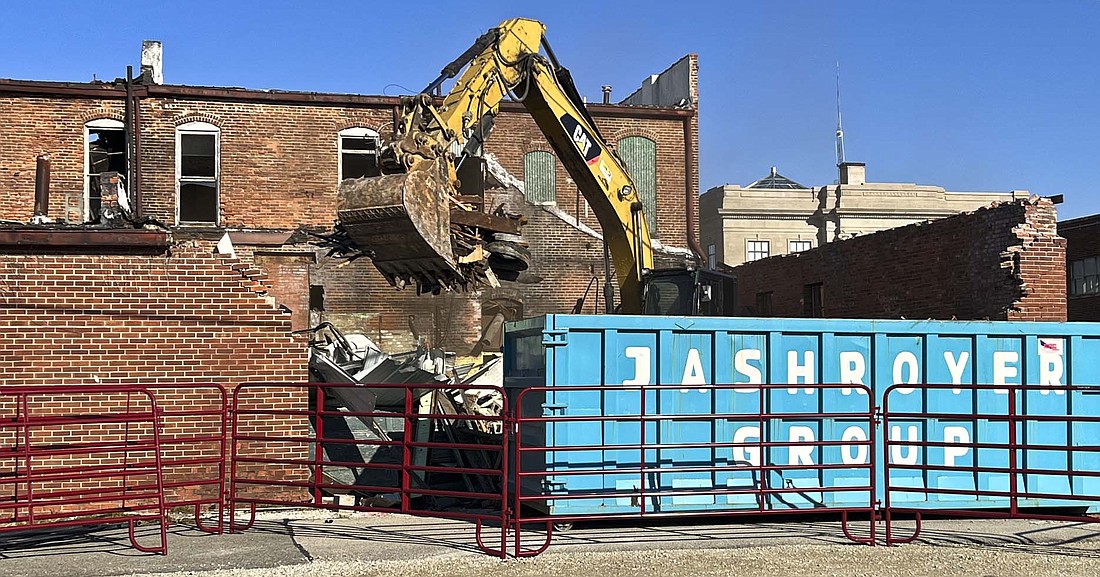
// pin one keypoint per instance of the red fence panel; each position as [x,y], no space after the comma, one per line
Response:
[293,445]
[1001,458]
[81,455]
[194,436]
[628,477]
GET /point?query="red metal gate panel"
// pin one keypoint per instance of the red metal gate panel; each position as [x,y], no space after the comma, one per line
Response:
[293,448]
[545,459]
[1002,464]
[81,455]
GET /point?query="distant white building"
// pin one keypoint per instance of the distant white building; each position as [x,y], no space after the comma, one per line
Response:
[776,215]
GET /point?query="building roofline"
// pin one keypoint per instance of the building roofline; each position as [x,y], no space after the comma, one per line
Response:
[115,91]
[1079,222]
[687,56]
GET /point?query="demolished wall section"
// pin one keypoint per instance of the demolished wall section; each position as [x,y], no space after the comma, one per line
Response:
[1004,262]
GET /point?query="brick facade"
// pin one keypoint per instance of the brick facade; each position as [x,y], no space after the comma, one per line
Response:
[1082,241]
[278,172]
[183,317]
[1005,262]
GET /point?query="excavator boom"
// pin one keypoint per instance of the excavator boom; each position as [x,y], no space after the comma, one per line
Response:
[413,220]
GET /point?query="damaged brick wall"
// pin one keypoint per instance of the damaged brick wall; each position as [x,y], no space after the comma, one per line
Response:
[278,171]
[187,317]
[1004,262]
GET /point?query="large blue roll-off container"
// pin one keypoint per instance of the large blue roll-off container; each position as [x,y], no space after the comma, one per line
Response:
[614,352]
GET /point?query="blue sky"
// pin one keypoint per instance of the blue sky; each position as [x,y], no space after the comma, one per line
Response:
[969,95]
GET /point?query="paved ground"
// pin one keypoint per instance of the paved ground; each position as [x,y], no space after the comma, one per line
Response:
[318,544]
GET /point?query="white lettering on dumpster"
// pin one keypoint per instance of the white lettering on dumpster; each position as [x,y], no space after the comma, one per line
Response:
[797,372]
[750,455]
[641,366]
[956,367]
[693,371]
[854,433]
[741,364]
[852,368]
[954,434]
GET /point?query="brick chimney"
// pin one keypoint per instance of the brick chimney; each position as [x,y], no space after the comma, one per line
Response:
[152,60]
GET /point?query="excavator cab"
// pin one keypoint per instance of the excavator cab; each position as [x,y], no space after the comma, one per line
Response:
[689,292]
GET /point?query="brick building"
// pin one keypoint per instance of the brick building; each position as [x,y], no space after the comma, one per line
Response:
[264,167]
[776,215]
[1003,262]
[1082,267]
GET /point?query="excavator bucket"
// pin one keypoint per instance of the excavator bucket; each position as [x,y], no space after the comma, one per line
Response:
[403,222]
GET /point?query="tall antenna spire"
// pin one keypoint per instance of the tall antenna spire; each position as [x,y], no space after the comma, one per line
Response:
[839,124]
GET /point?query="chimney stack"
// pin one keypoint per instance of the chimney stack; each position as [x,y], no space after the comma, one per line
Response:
[152,60]
[606,93]
[853,173]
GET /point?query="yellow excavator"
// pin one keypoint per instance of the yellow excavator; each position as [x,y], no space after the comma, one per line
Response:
[423,222]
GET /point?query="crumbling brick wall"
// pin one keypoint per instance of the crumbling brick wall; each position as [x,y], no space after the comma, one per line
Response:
[184,317]
[1005,262]
[278,171]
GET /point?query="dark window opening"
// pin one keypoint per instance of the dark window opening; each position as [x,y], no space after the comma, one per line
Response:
[358,157]
[764,304]
[106,153]
[316,297]
[811,301]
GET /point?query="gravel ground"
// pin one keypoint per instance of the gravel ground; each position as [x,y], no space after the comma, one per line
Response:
[794,560]
[322,544]
[950,547]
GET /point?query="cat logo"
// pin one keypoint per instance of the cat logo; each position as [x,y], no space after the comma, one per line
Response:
[588,146]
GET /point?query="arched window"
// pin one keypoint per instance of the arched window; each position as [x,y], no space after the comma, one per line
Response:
[640,156]
[198,172]
[539,183]
[358,153]
[104,151]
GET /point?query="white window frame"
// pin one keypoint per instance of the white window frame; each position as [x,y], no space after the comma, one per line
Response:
[353,132]
[749,245]
[199,127]
[809,244]
[712,256]
[97,124]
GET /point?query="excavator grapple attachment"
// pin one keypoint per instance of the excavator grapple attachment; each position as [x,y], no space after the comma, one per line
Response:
[402,221]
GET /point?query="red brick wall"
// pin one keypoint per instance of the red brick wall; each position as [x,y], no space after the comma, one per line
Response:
[288,281]
[279,171]
[38,125]
[1082,241]
[1000,263]
[187,317]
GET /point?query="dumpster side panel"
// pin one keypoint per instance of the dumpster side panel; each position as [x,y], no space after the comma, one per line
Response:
[694,353]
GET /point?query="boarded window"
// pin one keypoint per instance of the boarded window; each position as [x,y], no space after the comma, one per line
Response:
[639,154]
[538,177]
[358,153]
[198,164]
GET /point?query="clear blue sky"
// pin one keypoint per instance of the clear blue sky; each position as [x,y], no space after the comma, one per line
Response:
[990,95]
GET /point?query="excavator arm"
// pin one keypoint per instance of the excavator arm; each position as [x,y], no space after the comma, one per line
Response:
[413,222]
